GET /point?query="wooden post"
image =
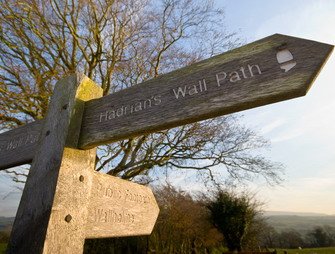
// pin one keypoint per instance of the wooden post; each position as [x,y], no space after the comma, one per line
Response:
[60,179]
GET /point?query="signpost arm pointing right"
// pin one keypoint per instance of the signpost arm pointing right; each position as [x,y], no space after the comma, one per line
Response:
[270,70]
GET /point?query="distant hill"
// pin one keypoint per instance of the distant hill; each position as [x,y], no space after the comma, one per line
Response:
[300,223]
[6,223]
[275,213]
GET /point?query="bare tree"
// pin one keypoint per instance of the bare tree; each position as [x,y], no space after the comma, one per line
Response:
[118,44]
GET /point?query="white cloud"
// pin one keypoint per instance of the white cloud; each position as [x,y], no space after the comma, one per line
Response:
[273,125]
[312,20]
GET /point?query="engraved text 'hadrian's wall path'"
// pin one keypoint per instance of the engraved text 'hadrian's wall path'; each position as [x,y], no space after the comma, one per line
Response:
[221,79]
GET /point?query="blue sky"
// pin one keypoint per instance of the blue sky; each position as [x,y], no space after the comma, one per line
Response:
[302,131]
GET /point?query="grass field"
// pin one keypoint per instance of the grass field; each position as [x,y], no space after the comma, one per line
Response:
[2,248]
[330,250]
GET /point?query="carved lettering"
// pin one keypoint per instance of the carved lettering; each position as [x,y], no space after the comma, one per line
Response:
[190,90]
[180,92]
[238,75]
[125,195]
[125,110]
[102,215]
[112,193]
[223,77]
[18,142]
[252,67]
[234,76]
[136,198]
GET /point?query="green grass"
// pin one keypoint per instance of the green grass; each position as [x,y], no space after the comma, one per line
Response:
[330,250]
[3,247]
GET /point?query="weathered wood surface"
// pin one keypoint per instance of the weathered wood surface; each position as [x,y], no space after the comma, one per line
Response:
[51,209]
[18,146]
[247,77]
[119,208]
[66,227]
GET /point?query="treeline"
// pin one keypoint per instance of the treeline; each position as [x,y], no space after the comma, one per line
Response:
[320,236]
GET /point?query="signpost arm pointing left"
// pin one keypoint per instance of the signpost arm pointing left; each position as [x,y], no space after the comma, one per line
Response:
[59,179]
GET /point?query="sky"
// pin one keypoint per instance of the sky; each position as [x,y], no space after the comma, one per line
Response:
[301,131]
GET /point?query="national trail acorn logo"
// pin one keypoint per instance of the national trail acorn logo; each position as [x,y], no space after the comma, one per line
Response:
[286,60]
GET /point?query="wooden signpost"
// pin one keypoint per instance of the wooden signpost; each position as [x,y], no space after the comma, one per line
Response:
[65,201]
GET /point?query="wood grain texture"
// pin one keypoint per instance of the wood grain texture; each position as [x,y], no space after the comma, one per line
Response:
[124,114]
[119,208]
[40,225]
[71,199]
[18,146]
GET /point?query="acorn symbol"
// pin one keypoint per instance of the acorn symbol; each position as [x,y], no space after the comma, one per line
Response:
[286,60]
